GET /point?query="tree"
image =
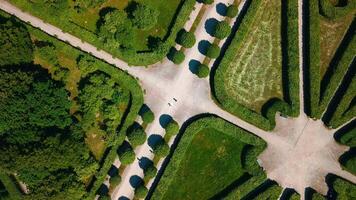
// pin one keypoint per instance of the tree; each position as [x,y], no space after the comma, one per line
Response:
[172,128]
[83,5]
[213,51]
[161,149]
[207,1]
[232,10]
[150,171]
[15,43]
[177,57]
[222,30]
[115,181]
[148,116]
[144,17]
[186,39]
[141,192]
[137,136]
[127,156]
[86,64]
[203,71]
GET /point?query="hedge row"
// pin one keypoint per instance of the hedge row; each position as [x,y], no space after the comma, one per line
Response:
[136,100]
[187,138]
[241,191]
[11,187]
[328,10]
[133,58]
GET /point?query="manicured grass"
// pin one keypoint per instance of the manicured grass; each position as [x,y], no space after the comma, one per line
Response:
[254,74]
[208,158]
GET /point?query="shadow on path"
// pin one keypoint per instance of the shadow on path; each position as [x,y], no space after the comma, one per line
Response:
[210,25]
[135,181]
[164,120]
[144,163]
[203,46]
[221,9]
[194,66]
[153,140]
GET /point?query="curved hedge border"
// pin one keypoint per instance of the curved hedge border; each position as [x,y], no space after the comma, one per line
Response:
[138,58]
[189,133]
[290,69]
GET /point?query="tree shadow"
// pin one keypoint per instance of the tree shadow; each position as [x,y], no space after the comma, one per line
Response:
[133,126]
[287,194]
[144,163]
[144,109]
[171,53]
[103,190]
[124,147]
[153,140]
[203,46]
[164,120]
[135,181]
[123,198]
[113,171]
[221,9]
[194,66]
[210,25]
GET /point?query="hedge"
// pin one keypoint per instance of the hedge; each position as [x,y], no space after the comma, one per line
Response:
[137,136]
[207,1]
[161,150]
[133,58]
[244,189]
[188,136]
[177,57]
[148,116]
[328,10]
[127,156]
[150,172]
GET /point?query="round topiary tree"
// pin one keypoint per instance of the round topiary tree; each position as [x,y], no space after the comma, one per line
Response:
[161,149]
[127,157]
[186,39]
[222,30]
[148,116]
[115,181]
[150,172]
[144,17]
[137,136]
[177,57]
[232,10]
[207,1]
[141,192]
[203,71]
[213,51]
[172,128]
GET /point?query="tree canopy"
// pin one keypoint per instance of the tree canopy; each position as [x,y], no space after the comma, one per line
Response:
[15,44]
[144,17]
[186,39]
[222,30]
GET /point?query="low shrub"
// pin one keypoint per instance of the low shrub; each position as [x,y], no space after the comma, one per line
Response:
[232,10]
[137,136]
[213,51]
[203,71]
[161,149]
[172,128]
[141,192]
[150,172]
[148,116]
[222,30]
[186,39]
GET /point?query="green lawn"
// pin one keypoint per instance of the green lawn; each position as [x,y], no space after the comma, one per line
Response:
[207,160]
[254,74]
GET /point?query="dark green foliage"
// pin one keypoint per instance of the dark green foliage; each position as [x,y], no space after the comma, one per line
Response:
[177,57]
[141,192]
[345,190]
[35,112]
[222,30]
[161,149]
[137,136]
[127,156]
[232,10]
[144,17]
[104,197]
[203,71]
[11,188]
[115,181]
[213,51]
[172,128]
[207,1]
[150,172]
[148,117]
[86,64]
[186,39]
[15,43]
[83,5]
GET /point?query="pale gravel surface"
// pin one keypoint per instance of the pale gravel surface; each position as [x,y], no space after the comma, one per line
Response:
[164,81]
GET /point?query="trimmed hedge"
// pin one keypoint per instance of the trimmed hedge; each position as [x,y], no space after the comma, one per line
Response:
[213,51]
[172,128]
[137,136]
[203,71]
[186,39]
[127,156]
[207,1]
[232,11]
[222,30]
[150,172]
[148,116]
[161,150]
[177,57]
[188,136]
[141,192]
